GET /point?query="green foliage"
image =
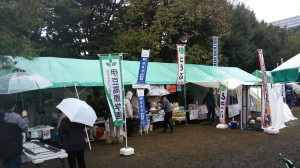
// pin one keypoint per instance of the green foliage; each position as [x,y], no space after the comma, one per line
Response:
[79,28]
[19,20]
[239,46]
[83,29]
[292,43]
[160,25]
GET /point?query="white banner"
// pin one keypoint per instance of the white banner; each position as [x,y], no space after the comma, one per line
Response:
[181,63]
[283,93]
[215,50]
[223,100]
[111,70]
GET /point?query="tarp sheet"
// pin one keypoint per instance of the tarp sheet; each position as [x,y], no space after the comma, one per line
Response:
[209,76]
[66,72]
[280,112]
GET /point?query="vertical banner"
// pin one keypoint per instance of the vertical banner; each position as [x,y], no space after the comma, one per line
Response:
[266,113]
[143,66]
[181,63]
[223,101]
[142,108]
[111,71]
[283,93]
[215,50]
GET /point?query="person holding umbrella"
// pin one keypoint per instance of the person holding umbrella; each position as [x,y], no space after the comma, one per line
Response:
[11,127]
[77,114]
[73,141]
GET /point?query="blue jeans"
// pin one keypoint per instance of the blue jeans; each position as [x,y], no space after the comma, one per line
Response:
[13,163]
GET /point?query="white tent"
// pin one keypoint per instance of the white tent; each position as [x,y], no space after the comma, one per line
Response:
[232,83]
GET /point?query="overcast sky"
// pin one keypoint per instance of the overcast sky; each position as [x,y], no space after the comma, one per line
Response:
[273,10]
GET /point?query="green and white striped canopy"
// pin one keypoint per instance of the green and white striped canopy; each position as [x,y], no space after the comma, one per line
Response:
[288,71]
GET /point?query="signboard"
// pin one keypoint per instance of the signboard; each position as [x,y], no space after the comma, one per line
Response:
[179,88]
[171,88]
[233,110]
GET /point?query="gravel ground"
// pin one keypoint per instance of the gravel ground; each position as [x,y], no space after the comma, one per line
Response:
[200,145]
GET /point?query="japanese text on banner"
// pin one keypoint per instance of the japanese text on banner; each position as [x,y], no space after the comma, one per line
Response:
[223,101]
[215,50]
[142,108]
[267,110]
[112,77]
[181,64]
[143,66]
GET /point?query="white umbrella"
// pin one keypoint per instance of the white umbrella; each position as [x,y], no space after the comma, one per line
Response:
[158,92]
[22,81]
[78,111]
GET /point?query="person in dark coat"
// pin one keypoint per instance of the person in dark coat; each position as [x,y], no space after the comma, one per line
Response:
[289,96]
[209,100]
[189,98]
[73,141]
[11,127]
[167,107]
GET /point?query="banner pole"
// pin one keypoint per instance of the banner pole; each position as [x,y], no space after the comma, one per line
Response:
[127,151]
[87,136]
[123,90]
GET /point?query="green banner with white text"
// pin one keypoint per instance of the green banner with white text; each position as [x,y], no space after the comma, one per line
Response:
[111,70]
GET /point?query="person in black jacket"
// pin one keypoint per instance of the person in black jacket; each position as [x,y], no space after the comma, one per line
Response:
[11,127]
[209,100]
[73,141]
[289,95]
[167,107]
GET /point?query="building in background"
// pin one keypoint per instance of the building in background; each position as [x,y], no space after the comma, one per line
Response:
[288,22]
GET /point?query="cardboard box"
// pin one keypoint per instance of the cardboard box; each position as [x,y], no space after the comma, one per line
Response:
[192,106]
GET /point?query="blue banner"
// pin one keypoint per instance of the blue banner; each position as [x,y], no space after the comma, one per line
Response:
[142,108]
[143,67]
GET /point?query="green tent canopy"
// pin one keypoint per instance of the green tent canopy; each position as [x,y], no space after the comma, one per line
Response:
[288,71]
[257,73]
[65,72]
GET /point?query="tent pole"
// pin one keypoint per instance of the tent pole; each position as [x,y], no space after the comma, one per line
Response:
[185,105]
[76,91]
